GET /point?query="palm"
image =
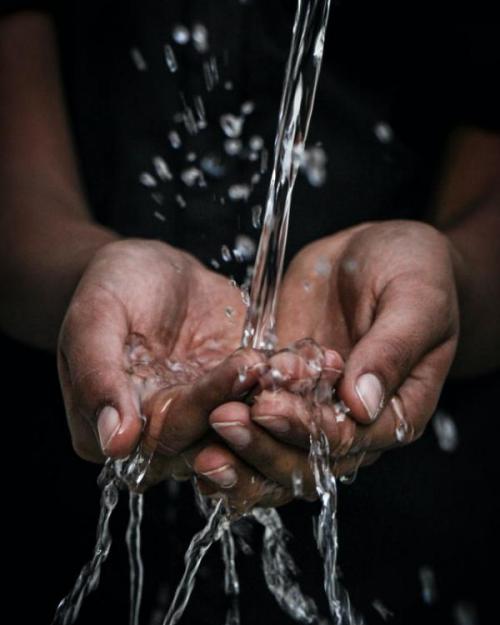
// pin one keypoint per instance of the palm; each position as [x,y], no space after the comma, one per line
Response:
[144,318]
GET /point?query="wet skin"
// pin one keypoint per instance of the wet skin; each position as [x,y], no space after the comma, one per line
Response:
[375,309]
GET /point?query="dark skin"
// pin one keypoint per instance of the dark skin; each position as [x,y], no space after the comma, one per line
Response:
[387,300]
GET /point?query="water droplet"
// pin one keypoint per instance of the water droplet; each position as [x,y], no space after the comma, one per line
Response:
[199,107]
[170,59]
[384,612]
[162,169]
[313,165]
[175,140]
[231,125]
[247,108]
[213,166]
[256,216]
[264,159]
[191,157]
[255,179]
[229,312]
[428,583]
[383,132]
[446,431]
[297,483]
[159,216]
[256,143]
[215,263]
[350,265]
[180,34]
[193,176]
[147,180]
[228,85]
[138,59]
[238,192]
[158,198]
[225,253]
[200,38]
[244,248]
[233,147]
[180,200]
[465,614]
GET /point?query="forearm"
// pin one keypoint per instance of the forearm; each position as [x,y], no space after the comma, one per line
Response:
[42,257]
[475,244]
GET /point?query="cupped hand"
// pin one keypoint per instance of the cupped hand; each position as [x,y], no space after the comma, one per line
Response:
[383,295]
[147,351]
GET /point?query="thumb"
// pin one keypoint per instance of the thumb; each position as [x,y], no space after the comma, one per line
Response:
[102,406]
[409,323]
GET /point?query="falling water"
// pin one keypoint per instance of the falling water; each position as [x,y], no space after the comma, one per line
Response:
[299,90]
[68,610]
[200,544]
[301,79]
[133,538]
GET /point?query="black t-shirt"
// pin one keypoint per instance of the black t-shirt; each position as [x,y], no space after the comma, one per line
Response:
[390,93]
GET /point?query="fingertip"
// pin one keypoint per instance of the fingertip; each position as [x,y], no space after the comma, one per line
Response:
[118,432]
[364,394]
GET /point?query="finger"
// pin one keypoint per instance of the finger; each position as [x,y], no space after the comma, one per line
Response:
[178,417]
[291,418]
[405,417]
[273,459]
[101,403]
[408,325]
[223,472]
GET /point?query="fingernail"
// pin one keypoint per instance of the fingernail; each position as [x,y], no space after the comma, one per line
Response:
[371,393]
[108,424]
[233,432]
[224,476]
[279,425]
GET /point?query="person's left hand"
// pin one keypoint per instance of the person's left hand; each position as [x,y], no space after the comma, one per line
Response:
[384,296]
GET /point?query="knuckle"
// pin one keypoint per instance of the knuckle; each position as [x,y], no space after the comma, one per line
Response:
[396,356]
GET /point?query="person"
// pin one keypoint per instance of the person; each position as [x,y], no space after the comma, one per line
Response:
[407,286]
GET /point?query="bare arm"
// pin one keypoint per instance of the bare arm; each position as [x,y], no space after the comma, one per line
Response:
[469,214]
[47,236]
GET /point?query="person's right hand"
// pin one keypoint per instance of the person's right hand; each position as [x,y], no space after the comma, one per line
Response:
[149,338]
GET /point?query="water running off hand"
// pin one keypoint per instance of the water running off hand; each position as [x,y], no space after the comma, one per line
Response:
[299,90]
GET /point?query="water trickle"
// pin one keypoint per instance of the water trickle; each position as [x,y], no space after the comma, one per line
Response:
[68,610]
[133,539]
